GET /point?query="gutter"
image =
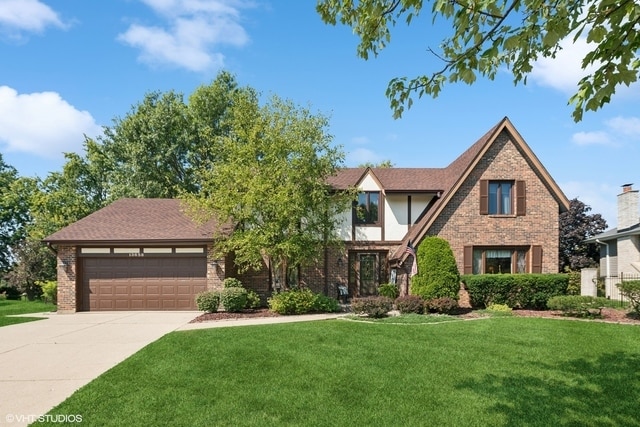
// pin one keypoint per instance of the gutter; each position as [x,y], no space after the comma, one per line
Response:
[606,245]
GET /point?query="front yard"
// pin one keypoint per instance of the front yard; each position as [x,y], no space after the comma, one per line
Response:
[12,307]
[500,371]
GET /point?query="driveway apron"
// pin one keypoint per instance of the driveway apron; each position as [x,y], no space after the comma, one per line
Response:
[45,361]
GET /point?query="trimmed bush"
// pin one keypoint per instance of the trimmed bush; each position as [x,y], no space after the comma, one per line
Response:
[578,305]
[375,307]
[325,304]
[302,301]
[389,290]
[232,282]
[499,308]
[531,291]
[631,290]
[438,274]
[253,299]
[208,301]
[410,304]
[233,299]
[444,305]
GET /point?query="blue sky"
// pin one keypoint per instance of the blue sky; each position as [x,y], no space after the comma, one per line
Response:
[68,68]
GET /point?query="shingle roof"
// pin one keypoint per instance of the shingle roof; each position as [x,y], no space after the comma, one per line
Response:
[137,220]
[454,174]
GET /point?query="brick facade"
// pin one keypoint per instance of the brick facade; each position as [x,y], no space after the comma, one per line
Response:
[461,224]
[67,271]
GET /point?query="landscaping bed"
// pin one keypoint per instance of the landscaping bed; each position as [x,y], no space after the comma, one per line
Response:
[607,315]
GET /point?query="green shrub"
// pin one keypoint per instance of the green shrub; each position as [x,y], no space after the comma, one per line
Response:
[444,305]
[438,274]
[253,299]
[578,305]
[232,282]
[499,308]
[208,301]
[3,296]
[302,301]
[530,291]
[10,292]
[574,283]
[631,290]
[233,299]
[325,304]
[410,304]
[49,291]
[375,307]
[388,290]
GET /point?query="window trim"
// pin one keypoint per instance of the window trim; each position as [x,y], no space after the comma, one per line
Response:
[356,205]
[518,197]
[533,258]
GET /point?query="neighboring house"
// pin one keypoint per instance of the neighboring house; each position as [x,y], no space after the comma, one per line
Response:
[620,247]
[496,205]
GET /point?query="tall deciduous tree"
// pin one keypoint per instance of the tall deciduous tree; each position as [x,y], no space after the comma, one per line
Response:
[576,225]
[14,212]
[491,34]
[270,184]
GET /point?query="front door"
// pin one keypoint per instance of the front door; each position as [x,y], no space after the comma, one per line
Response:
[369,279]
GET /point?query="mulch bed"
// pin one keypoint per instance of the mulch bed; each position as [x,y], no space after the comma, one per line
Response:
[610,315]
[245,314]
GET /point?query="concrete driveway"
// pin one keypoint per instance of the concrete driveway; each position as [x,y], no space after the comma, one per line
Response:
[44,362]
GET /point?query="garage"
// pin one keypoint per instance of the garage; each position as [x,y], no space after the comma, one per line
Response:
[141,283]
[137,254]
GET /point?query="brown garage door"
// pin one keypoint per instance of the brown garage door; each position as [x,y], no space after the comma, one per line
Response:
[142,283]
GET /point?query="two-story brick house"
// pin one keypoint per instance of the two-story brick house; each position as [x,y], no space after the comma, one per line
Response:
[496,204]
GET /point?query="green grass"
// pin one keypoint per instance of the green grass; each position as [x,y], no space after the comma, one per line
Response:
[408,319]
[505,371]
[12,307]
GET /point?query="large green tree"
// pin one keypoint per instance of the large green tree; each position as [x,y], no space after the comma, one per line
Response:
[14,212]
[488,35]
[270,184]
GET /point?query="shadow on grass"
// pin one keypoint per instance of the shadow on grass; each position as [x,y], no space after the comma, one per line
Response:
[603,392]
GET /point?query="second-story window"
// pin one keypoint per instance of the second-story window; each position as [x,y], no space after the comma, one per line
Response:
[500,201]
[366,210]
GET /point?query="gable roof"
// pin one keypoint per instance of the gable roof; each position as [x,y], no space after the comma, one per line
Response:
[136,221]
[450,179]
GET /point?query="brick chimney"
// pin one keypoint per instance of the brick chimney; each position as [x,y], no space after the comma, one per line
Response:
[628,212]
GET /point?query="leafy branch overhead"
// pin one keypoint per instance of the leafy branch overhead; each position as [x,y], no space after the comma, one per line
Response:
[490,34]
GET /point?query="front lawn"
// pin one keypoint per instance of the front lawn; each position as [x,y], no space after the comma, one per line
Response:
[12,307]
[490,372]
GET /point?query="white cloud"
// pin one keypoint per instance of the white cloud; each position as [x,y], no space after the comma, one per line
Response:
[362,155]
[628,126]
[193,32]
[618,131]
[17,16]
[591,138]
[565,70]
[360,140]
[42,123]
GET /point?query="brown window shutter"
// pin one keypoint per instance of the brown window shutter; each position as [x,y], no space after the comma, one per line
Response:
[521,198]
[468,259]
[536,259]
[484,197]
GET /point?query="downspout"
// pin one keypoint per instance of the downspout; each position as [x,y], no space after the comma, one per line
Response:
[606,245]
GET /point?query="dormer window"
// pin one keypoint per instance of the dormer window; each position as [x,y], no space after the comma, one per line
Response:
[366,209]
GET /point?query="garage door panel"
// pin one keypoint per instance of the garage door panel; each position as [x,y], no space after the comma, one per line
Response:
[143,283]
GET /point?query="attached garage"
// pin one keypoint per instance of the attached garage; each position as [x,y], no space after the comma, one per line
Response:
[136,254]
[142,283]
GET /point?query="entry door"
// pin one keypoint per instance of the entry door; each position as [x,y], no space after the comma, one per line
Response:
[369,279]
